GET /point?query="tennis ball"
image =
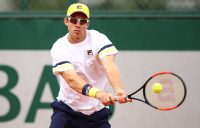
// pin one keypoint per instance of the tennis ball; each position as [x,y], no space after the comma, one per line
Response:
[157,87]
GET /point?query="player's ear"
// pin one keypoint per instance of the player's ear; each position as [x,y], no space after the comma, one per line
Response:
[66,21]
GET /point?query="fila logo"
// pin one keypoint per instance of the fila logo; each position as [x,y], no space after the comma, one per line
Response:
[89,52]
[79,7]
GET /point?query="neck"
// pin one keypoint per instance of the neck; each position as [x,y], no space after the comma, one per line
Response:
[76,39]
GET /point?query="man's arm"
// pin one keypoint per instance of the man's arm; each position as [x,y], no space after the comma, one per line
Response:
[113,75]
[74,81]
[77,83]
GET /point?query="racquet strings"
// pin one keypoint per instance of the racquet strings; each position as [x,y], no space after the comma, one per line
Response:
[172,94]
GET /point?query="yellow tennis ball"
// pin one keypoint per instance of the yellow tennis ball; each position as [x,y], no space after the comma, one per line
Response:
[157,87]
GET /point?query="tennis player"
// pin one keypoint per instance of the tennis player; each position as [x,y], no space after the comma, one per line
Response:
[83,61]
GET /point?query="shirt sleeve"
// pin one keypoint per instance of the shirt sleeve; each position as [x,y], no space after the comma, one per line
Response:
[105,47]
[60,60]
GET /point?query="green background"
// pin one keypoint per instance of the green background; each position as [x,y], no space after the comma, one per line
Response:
[151,31]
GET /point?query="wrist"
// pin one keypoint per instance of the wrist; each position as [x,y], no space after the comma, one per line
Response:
[118,90]
[85,89]
[93,91]
[89,90]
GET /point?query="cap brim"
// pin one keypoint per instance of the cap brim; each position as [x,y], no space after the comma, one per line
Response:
[79,12]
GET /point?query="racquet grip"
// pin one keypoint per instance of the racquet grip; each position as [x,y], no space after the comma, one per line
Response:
[116,98]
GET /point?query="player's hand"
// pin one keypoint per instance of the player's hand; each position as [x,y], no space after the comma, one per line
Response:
[121,96]
[105,97]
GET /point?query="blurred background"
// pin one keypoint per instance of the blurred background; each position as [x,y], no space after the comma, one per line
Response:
[151,35]
[101,5]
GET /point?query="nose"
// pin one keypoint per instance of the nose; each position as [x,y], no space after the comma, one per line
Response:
[78,24]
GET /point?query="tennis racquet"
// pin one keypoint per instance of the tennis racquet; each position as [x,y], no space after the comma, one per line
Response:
[171,96]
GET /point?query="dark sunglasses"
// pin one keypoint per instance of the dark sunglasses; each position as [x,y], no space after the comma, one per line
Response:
[75,20]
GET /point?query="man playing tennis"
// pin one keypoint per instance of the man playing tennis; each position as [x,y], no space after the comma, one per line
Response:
[83,61]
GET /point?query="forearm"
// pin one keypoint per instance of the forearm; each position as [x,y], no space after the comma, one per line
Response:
[113,75]
[78,84]
[74,81]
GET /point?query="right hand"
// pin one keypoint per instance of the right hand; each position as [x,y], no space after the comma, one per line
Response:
[121,96]
[105,97]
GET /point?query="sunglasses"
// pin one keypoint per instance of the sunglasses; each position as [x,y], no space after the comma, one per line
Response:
[75,20]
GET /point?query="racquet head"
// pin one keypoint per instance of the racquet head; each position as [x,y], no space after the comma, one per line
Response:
[172,92]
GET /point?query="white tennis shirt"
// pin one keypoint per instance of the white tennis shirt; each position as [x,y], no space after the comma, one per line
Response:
[84,58]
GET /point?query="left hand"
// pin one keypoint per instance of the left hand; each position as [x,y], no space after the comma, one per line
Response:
[106,98]
[121,96]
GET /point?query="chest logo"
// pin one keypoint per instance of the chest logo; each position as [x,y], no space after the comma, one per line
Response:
[89,52]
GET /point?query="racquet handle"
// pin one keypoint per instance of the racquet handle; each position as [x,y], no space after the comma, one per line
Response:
[116,98]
